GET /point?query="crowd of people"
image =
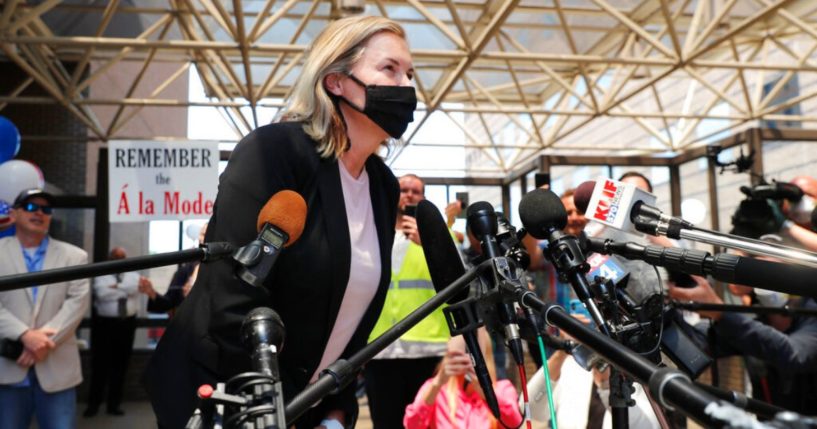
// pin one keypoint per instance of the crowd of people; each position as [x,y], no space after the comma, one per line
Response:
[357,269]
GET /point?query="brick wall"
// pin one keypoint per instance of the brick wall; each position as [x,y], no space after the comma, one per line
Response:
[62,162]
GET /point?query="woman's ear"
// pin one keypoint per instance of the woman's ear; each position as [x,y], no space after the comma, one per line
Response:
[331,83]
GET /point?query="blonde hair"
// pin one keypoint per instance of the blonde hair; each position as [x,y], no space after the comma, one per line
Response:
[336,49]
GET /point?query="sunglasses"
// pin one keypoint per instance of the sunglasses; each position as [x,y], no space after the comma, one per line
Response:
[33,207]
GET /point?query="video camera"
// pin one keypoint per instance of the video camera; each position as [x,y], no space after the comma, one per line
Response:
[759,213]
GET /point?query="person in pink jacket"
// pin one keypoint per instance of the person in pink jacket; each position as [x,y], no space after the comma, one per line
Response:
[452,398]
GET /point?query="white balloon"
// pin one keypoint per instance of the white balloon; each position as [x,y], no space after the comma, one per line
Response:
[192,231]
[18,175]
[693,210]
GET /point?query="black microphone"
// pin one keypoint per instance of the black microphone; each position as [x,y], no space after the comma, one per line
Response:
[442,257]
[763,274]
[483,223]
[544,216]
[262,332]
[445,266]
[280,223]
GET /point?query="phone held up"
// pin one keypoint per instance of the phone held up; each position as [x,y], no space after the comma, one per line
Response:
[462,197]
[410,210]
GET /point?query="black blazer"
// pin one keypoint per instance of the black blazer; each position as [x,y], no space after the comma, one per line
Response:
[306,287]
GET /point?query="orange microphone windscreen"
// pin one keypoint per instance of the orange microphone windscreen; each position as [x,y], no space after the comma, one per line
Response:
[286,210]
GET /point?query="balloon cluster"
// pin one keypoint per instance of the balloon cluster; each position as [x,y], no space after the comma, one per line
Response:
[4,214]
[17,175]
[9,140]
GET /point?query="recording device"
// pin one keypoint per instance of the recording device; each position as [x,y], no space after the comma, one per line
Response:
[510,244]
[741,164]
[263,333]
[250,399]
[799,279]
[606,266]
[759,213]
[483,223]
[541,179]
[544,216]
[644,326]
[462,197]
[410,210]
[280,223]
[619,205]
[774,191]
[651,326]
[641,324]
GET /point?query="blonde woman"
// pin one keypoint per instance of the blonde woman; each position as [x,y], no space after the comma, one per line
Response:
[353,94]
[453,399]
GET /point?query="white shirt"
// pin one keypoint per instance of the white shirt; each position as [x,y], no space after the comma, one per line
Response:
[107,297]
[364,272]
[571,397]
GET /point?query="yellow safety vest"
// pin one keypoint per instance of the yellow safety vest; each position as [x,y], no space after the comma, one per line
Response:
[409,288]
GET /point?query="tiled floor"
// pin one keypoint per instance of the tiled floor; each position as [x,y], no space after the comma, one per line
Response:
[139,415]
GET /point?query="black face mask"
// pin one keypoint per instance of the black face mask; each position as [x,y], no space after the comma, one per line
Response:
[390,107]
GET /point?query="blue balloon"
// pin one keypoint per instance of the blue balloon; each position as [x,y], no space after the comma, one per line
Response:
[9,140]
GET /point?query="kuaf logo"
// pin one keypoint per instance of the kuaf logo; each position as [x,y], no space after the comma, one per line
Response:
[608,205]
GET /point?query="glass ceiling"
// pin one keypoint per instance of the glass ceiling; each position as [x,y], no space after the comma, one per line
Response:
[501,82]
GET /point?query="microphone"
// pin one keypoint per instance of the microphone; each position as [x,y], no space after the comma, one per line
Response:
[483,223]
[674,342]
[445,266]
[442,257]
[759,273]
[609,267]
[262,332]
[619,204]
[280,223]
[543,215]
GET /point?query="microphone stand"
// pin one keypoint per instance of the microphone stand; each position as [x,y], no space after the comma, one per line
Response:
[566,255]
[759,408]
[340,373]
[755,247]
[205,253]
[784,310]
[672,388]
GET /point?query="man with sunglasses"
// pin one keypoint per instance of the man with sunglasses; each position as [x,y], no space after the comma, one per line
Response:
[40,381]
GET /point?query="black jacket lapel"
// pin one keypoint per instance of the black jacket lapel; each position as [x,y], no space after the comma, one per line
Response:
[337,234]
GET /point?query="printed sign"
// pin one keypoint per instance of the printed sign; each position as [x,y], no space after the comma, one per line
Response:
[152,180]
